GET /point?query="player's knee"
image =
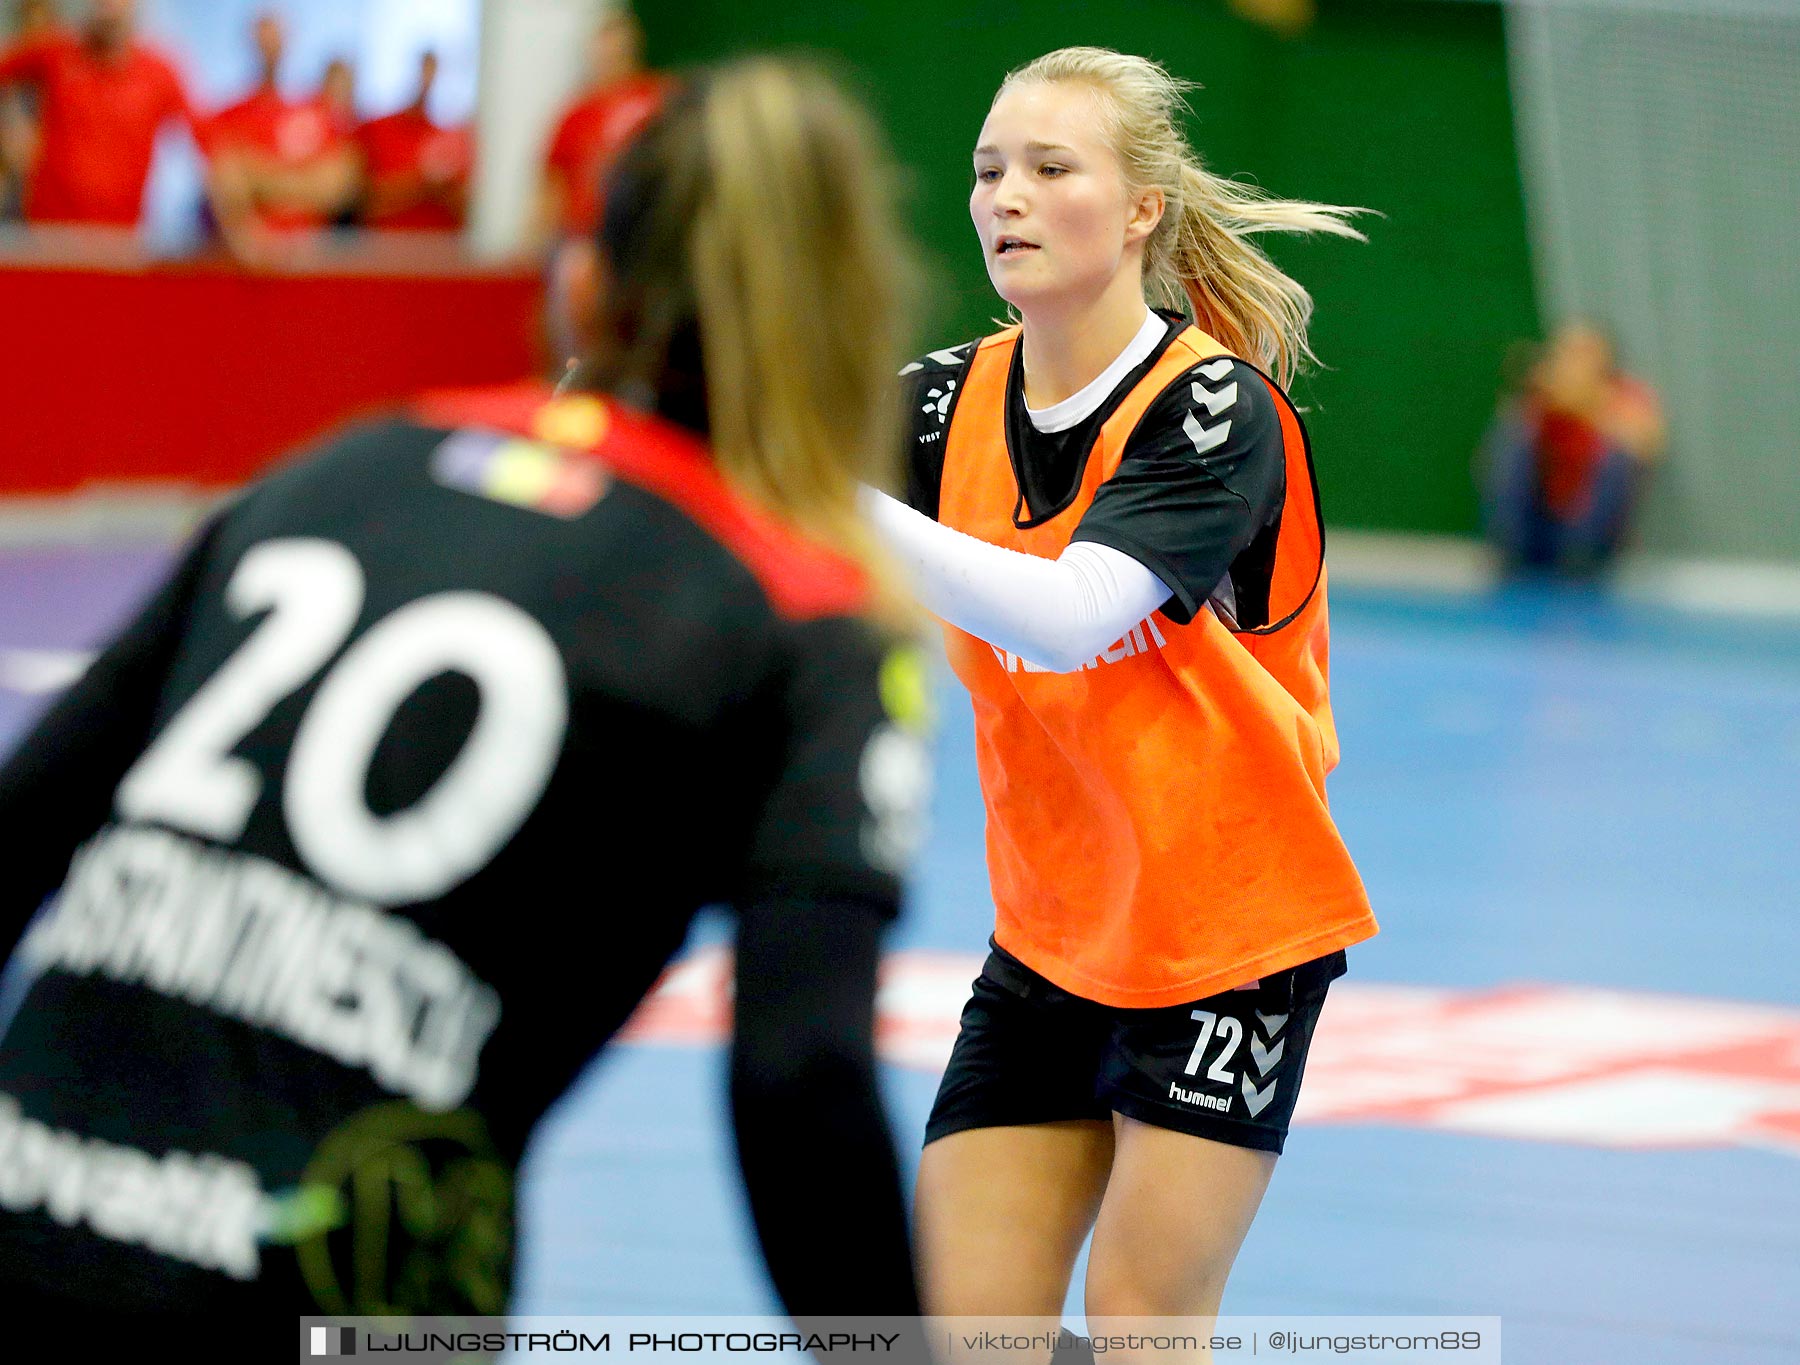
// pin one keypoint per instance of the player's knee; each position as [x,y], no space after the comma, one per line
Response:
[955,1286]
[1122,1289]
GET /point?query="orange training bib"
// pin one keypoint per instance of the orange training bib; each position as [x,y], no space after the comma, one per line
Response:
[1157,828]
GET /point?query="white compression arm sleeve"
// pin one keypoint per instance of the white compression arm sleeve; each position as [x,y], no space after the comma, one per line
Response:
[1058,613]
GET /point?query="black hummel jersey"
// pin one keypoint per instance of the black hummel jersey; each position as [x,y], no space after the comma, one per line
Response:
[379,820]
[1198,492]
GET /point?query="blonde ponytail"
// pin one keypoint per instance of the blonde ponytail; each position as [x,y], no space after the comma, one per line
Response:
[771,233]
[1202,259]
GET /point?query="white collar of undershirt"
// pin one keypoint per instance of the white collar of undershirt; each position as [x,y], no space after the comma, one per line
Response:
[1078,407]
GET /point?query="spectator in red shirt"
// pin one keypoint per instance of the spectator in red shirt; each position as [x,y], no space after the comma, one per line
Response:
[251,120]
[337,96]
[620,99]
[415,174]
[286,165]
[18,113]
[1569,455]
[103,97]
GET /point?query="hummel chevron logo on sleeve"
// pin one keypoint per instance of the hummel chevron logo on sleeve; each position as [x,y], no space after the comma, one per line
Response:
[1205,438]
[1215,403]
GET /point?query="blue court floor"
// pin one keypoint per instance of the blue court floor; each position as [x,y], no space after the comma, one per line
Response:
[1562,1087]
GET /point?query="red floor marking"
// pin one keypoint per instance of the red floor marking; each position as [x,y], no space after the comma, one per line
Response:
[1551,1063]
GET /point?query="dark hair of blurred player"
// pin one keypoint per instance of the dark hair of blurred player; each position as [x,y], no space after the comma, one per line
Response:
[380,819]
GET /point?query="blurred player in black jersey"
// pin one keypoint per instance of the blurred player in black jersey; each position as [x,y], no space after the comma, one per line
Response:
[377,822]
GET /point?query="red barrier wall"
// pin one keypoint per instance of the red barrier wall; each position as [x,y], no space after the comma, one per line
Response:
[204,375]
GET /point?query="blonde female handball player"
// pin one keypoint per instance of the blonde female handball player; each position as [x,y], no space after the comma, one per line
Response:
[1113,510]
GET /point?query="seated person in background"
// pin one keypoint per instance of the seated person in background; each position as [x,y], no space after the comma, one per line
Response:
[102,99]
[1567,456]
[415,173]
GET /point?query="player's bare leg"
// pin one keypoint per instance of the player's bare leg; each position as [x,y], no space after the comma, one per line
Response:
[1175,1213]
[1001,1216]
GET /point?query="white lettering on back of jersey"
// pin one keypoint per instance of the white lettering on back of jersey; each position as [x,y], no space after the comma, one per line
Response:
[253,941]
[308,594]
[205,1210]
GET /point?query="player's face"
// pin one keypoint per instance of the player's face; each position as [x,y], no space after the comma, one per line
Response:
[269,40]
[113,18]
[1050,201]
[338,87]
[34,16]
[617,50]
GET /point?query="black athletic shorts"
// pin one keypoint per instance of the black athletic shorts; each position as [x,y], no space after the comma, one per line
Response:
[1227,1067]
